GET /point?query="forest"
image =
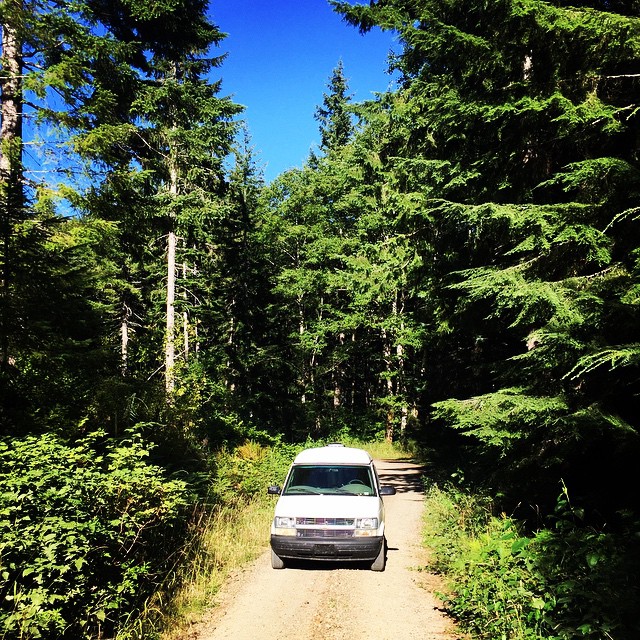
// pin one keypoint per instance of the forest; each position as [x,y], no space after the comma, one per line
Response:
[456,267]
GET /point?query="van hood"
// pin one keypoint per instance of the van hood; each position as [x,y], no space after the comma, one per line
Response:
[328,506]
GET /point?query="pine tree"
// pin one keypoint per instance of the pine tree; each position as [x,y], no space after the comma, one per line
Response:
[520,124]
[334,116]
[100,58]
[188,132]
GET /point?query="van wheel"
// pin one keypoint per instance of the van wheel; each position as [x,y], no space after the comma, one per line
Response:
[380,561]
[276,561]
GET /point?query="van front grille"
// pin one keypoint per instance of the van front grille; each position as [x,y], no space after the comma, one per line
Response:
[328,522]
[325,533]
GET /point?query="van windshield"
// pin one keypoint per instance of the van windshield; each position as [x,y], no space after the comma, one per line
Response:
[334,479]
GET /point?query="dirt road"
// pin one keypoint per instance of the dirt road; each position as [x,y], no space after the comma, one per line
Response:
[328,601]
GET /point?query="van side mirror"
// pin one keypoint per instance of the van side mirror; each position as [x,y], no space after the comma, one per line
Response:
[274,490]
[387,491]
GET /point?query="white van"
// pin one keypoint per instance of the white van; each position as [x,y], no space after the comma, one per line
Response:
[330,508]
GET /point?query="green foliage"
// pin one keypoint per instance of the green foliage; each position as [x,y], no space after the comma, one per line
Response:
[334,117]
[86,531]
[244,472]
[497,418]
[61,301]
[628,355]
[557,583]
[461,267]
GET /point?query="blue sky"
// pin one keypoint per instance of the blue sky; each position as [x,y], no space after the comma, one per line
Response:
[281,54]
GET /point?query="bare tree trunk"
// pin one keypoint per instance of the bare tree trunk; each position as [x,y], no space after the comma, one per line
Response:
[124,340]
[353,378]
[185,315]
[11,179]
[229,383]
[401,385]
[402,391]
[390,419]
[312,375]
[170,342]
[11,127]
[301,329]
[172,242]
[337,390]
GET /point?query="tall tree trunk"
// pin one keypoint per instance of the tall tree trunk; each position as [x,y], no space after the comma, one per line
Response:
[402,389]
[229,382]
[172,242]
[11,178]
[124,340]
[170,344]
[401,384]
[185,315]
[301,329]
[170,340]
[390,417]
[337,375]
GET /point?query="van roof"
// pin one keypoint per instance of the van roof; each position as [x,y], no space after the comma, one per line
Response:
[333,454]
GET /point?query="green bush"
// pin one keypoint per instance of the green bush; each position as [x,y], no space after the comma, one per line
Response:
[247,470]
[482,557]
[562,582]
[591,576]
[84,529]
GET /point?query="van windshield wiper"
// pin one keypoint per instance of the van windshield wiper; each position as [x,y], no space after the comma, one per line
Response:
[303,491]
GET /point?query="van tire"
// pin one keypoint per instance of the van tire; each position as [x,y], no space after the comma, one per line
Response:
[379,563]
[276,561]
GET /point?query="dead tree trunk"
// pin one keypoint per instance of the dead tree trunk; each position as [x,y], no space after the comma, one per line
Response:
[11,178]
[170,340]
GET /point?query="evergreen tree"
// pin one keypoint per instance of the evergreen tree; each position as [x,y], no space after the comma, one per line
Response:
[188,131]
[102,59]
[334,116]
[520,145]
[244,276]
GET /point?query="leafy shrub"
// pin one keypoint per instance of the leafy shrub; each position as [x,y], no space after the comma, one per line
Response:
[249,469]
[559,583]
[482,556]
[591,577]
[83,531]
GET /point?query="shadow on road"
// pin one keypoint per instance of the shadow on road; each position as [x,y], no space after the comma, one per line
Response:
[405,476]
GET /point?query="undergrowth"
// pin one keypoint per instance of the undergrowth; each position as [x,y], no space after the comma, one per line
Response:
[564,581]
[86,529]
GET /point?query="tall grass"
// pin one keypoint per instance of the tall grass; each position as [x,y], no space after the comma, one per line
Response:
[231,537]
[229,530]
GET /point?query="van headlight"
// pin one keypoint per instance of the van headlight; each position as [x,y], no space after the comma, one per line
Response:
[285,522]
[367,523]
[366,526]
[284,526]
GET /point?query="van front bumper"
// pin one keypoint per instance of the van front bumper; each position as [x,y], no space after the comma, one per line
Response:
[327,548]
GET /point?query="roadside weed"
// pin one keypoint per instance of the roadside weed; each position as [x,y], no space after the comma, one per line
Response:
[560,582]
